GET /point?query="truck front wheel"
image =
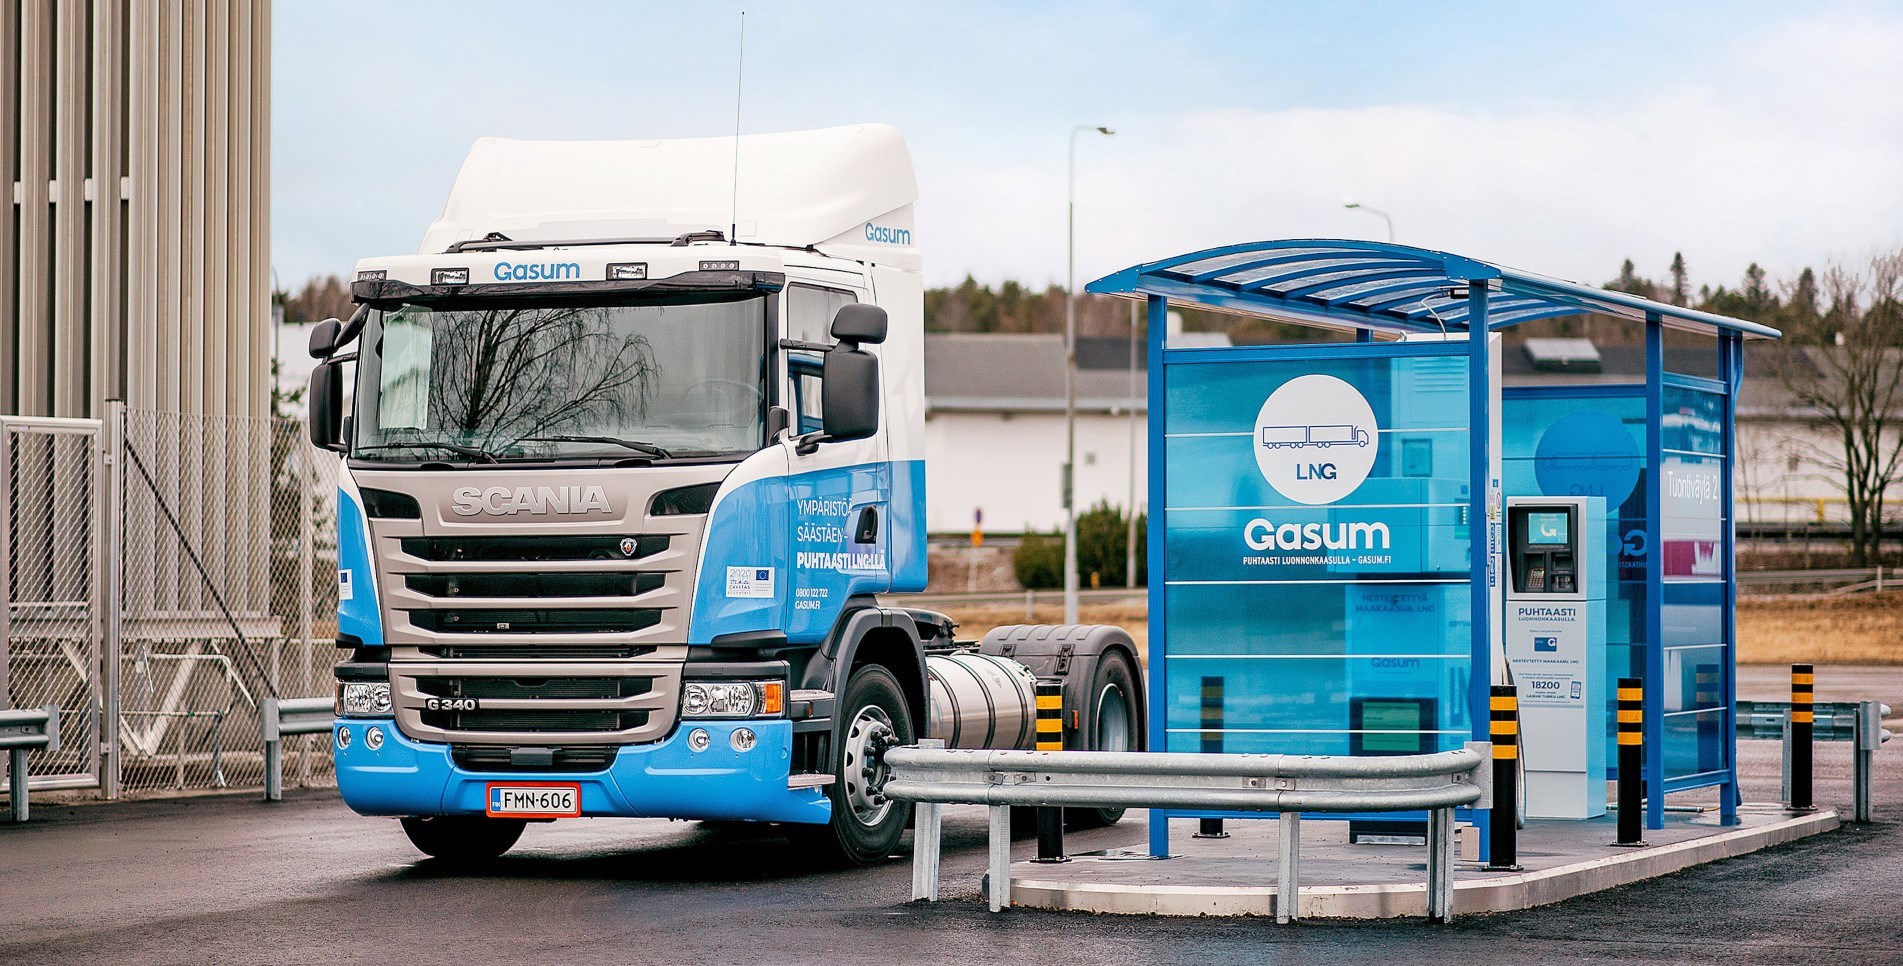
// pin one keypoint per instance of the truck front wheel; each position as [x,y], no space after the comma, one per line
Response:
[462,839]
[866,826]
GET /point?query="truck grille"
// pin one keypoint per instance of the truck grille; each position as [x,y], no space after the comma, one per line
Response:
[496,758]
[585,547]
[612,584]
[538,702]
[537,621]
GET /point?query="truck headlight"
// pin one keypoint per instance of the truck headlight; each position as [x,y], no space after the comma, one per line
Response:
[363,699]
[733,699]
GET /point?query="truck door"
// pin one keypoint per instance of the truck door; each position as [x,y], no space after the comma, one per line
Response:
[838,494]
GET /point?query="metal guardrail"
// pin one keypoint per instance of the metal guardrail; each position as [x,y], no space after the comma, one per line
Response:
[278,717]
[1859,721]
[22,730]
[1858,578]
[1288,785]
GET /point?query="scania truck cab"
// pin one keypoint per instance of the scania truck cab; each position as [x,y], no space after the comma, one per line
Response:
[634,448]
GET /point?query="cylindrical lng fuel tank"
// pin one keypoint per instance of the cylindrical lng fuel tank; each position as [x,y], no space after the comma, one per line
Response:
[981,701]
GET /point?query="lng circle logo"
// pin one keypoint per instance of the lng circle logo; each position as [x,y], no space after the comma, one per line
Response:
[1315,439]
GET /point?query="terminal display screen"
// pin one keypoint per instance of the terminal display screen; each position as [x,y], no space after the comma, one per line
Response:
[1548,529]
[1393,726]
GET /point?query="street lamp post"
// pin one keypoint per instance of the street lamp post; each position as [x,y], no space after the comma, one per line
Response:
[1358,206]
[1070,380]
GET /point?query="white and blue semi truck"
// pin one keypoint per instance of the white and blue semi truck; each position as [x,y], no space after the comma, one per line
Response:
[634,451]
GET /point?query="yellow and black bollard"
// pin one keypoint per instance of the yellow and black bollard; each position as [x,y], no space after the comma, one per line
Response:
[1803,717]
[1631,761]
[1503,823]
[1211,828]
[1050,737]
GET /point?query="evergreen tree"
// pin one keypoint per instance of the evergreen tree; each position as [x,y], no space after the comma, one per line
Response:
[1679,279]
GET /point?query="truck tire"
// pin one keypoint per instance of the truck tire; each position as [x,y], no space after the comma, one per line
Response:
[463,839]
[1112,722]
[866,826]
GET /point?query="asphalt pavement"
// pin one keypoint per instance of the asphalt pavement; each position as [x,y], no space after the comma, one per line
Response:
[229,879]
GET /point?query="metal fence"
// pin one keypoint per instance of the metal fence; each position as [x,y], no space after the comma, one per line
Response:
[164,575]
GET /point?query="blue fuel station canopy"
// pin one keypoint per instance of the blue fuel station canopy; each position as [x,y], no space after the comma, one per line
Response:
[1327,575]
[1340,283]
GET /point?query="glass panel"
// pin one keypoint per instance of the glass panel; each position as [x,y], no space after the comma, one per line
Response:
[1694,743]
[1317,550]
[1591,446]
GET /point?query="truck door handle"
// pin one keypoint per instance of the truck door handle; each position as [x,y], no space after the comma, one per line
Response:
[868,529]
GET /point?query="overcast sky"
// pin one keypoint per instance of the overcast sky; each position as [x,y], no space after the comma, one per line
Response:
[1555,138]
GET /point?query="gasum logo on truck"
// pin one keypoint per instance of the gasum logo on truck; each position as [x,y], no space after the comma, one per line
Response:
[888,236]
[537,272]
[1315,440]
[510,500]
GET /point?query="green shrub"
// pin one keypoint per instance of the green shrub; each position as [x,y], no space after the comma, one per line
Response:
[1102,535]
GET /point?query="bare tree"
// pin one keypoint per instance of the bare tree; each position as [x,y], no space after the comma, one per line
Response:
[1851,378]
[509,374]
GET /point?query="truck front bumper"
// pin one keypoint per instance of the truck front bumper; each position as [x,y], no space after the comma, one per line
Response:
[666,779]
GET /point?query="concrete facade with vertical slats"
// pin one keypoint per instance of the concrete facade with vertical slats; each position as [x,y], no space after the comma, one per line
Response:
[135,159]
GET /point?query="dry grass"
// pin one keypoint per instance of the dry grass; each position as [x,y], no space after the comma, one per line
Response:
[1848,629]
[1818,629]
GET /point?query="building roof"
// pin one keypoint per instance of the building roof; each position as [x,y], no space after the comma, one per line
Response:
[995,372]
[1340,283]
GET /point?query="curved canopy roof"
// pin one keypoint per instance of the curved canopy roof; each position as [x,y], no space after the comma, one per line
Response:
[1337,283]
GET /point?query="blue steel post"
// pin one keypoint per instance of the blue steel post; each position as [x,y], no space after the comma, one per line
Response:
[1731,346]
[1480,530]
[1654,573]
[1157,319]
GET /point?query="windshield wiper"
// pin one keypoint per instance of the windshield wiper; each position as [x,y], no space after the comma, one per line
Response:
[633,444]
[469,451]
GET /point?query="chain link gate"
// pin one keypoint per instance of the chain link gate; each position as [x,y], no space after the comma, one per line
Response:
[164,573]
[51,522]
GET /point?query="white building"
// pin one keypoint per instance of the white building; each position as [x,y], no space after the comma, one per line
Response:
[994,429]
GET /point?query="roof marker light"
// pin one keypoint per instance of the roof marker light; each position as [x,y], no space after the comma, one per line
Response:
[721,265]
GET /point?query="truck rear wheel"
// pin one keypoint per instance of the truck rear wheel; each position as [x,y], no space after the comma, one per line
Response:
[866,826]
[1113,723]
[462,839]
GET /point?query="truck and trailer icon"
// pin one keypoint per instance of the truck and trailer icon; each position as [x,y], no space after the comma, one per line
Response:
[1321,437]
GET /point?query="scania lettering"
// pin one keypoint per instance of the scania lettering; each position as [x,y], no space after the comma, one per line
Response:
[624,499]
[472,500]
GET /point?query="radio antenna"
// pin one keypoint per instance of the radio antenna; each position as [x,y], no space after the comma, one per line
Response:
[739,82]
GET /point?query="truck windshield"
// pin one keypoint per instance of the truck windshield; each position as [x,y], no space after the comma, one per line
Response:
[659,377]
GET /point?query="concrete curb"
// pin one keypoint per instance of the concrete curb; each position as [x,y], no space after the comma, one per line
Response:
[1501,893]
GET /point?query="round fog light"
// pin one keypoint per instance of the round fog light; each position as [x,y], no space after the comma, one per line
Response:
[373,739]
[743,739]
[698,739]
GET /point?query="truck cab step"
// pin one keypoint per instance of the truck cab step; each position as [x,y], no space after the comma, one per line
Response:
[807,781]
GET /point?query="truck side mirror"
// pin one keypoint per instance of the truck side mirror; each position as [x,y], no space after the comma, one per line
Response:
[849,394]
[324,338]
[859,322]
[327,406]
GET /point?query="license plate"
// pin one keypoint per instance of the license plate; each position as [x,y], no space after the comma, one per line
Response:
[534,800]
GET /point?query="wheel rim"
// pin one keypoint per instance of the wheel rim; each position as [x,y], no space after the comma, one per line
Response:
[865,769]
[1113,719]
